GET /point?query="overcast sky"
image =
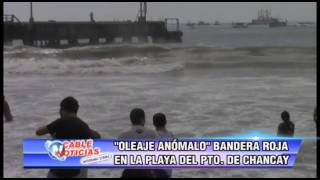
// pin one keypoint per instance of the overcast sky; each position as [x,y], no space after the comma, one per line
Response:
[185,11]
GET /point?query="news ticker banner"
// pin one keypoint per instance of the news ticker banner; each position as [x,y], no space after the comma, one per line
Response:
[225,152]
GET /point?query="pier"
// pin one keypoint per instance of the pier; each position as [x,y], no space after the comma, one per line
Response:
[66,34]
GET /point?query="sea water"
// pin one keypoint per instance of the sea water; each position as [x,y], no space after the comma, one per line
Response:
[219,81]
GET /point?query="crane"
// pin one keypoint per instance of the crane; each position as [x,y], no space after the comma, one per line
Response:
[142,15]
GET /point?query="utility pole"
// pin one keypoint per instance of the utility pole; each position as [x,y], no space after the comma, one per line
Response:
[29,39]
[31,20]
[142,22]
[145,10]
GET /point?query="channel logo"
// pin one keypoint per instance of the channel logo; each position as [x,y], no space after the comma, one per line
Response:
[55,150]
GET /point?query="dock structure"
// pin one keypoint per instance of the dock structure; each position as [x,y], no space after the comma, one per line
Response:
[66,34]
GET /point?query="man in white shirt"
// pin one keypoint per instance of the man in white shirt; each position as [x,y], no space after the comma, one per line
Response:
[138,131]
[159,122]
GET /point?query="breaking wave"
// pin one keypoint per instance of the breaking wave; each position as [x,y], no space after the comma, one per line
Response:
[132,59]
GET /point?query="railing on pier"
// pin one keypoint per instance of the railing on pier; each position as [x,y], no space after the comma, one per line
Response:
[11,18]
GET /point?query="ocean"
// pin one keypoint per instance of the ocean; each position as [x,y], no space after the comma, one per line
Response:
[219,81]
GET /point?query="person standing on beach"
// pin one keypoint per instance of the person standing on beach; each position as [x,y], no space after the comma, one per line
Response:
[68,126]
[6,111]
[286,128]
[315,115]
[159,122]
[138,131]
[91,17]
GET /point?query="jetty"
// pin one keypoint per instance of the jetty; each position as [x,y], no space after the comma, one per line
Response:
[65,34]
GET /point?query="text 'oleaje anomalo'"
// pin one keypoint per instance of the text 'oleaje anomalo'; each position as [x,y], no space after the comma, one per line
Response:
[202,145]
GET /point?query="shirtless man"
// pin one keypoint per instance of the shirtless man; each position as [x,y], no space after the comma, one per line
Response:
[286,128]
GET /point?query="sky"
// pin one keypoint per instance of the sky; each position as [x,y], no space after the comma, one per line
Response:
[185,11]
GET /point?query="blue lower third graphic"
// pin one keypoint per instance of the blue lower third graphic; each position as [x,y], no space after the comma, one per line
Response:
[241,152]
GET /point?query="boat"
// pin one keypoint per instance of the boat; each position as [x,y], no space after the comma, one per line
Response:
[191,25]
[216,23]
[202,23]
[278,23]
[239,25]
[265,19]
[306,24]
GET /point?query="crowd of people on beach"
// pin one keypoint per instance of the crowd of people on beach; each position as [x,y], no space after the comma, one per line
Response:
[70,126]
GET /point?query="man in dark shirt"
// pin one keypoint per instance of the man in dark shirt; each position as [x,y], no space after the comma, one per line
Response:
[68,126]
[286,128]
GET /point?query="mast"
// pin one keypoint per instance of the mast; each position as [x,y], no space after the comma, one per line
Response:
[143,12]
